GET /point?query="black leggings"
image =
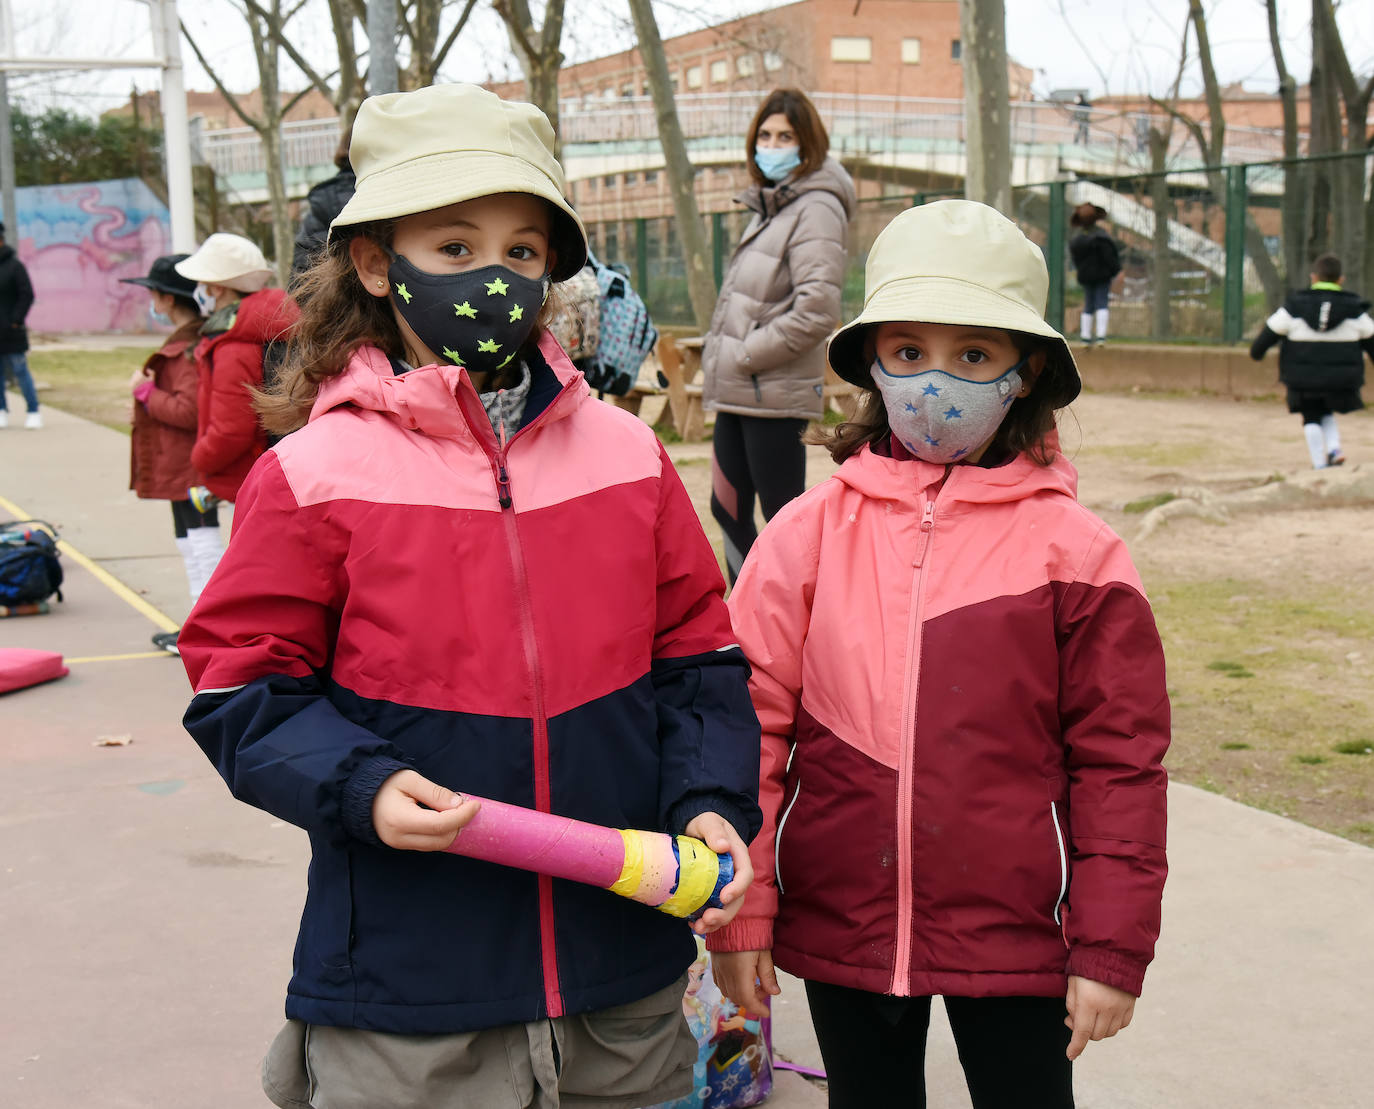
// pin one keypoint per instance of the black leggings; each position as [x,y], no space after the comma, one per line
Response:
[753,455]
[1011,1048]
[185,517]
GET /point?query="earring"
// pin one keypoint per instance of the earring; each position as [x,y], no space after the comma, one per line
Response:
[381,284]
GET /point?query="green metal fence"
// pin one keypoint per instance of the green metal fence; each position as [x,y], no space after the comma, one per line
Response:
[1210,271]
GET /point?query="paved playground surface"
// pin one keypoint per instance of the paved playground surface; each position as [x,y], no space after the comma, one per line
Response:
[146,918]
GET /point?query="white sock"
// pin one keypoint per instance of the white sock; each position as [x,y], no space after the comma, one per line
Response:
[1087,327]
[1331,434]
[188,558]
[206,550]
[1102,323]
[1316,445]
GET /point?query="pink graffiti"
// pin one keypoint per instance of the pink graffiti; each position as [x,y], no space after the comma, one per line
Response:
[77,285]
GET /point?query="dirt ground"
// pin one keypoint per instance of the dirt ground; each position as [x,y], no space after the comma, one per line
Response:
[1267,618]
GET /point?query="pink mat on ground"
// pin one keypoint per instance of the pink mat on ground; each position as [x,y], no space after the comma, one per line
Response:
[21,667]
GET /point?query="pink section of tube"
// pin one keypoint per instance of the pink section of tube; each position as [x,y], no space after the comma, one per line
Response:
[555,845]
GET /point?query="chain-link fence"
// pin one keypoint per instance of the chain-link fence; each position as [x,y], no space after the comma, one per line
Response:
[1209,271]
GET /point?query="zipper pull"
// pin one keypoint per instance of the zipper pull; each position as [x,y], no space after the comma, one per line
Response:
[927,529]
[503,482]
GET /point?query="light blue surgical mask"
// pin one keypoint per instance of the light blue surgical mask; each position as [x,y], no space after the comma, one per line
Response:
[158,319]
[204,299]
[777,163]
[942,418]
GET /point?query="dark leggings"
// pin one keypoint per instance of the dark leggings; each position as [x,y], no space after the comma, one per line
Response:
[1011,1048]
[185,517]
[753,456]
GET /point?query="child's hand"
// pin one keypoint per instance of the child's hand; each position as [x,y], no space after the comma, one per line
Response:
[138,377]
[412,813]
[715,831]
[746,977]
[1096,1011]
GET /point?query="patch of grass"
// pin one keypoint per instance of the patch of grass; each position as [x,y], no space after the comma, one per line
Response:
[1170,456]
[1231,669]
[92,384]
[1309,760]
[1144,504]
[1236,747]
[1355,747]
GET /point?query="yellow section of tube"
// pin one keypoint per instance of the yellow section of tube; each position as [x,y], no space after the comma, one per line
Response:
[698,869]
[632,872]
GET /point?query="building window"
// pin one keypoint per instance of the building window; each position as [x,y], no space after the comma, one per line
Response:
[694,77]
[631,179]
[627,91]
[720,72]
[677,82]
[651,177]
[845,49]
[644,90]
[772,59]
[911,51]
[608,181]
[956,49]
[744,65]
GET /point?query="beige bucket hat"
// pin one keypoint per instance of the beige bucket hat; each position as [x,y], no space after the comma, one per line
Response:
[955,262]
[228,260]
[414,151]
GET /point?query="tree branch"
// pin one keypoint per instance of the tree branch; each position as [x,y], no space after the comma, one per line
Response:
[275,30]
[518,31]
[442,52]
[229,98]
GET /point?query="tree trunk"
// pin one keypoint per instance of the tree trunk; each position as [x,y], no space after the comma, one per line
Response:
[701,286]
[265,48]
[987,103]
[1294,192]
[539,53]
[1161,266]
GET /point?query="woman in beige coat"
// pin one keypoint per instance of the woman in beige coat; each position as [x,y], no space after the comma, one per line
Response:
[764,356]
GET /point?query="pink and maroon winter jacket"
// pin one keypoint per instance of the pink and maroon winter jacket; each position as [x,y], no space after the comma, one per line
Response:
[962,696]
[539,622]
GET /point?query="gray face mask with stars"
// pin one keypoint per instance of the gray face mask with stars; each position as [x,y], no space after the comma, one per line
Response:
[942,418]
[477,319]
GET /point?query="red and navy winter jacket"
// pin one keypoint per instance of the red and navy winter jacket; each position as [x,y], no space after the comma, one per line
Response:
[962,696]
[540,622]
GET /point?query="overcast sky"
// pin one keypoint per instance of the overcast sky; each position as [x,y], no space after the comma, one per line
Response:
[1104,45]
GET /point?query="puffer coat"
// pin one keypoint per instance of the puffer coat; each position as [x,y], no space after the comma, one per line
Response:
[164,425]
[780,300]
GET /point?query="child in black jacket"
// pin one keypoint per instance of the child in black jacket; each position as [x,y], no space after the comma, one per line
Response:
[1323,333]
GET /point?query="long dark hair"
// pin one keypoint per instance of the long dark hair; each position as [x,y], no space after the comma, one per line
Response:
[1027,427]
[812,140]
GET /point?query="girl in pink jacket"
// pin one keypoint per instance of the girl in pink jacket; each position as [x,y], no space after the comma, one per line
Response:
[963,703]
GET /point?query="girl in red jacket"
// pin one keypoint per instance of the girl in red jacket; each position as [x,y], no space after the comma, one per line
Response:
[962,696]
[164,425]
[462,572]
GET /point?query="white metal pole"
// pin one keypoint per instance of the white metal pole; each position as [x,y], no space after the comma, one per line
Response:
[176,137]
[9,213]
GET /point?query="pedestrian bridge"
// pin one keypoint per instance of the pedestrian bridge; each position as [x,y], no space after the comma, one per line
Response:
[1050,140]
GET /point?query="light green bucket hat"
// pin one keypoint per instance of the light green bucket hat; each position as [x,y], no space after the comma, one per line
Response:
[415,151]
[956,262]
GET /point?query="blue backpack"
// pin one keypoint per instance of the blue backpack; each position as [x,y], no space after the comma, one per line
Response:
[29,569]
[627,333]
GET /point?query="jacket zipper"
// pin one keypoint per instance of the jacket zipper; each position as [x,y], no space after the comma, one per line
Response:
[901,968]
[1063,862]
[777,839]
[543,794]
[758,393]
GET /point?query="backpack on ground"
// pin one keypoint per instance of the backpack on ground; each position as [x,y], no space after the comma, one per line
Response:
[627,333]
[577,322]
[29,569]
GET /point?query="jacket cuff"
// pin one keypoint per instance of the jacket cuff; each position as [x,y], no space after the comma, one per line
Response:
[744,933]
[1108,967]
[360,790]
[689,808]
[144,390]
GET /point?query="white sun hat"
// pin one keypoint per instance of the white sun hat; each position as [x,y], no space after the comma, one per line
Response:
[228,260]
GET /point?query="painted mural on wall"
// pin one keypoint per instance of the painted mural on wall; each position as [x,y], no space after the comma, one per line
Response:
[78,241]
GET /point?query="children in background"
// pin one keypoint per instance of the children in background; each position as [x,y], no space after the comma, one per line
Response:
[1096,261]
[962,696]
[462,572]
[1323,332]
[164,424]
[247,323]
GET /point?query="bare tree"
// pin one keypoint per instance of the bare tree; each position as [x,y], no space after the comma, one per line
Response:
[421,22]
[701,287]
[1211,143]
[987,102]
[538,50]
[265,28]
[1294,176]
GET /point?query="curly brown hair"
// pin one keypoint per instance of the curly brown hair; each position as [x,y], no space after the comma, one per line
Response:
[1027,427]
[337,317]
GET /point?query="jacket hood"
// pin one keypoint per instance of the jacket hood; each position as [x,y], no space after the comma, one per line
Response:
[1325,309]
[262,317]
[6,252]
[891,479]
[423,399]
[831,177]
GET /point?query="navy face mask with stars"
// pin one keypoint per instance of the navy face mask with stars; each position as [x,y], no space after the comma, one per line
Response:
[477,319]
[942,418]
